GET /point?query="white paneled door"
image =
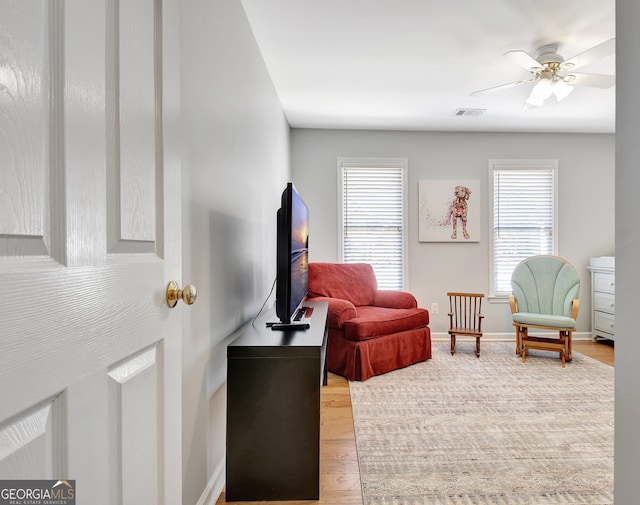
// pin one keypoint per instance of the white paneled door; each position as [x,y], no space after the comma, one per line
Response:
[90,353]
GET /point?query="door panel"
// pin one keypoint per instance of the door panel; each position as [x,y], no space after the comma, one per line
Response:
[131,109]
[24,143]
[133,409]
[89,350]
[31,440]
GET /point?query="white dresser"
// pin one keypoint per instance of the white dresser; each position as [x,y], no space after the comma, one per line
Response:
[603,300]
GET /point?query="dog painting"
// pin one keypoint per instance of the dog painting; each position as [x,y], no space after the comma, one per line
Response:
[449,211]
[458,210]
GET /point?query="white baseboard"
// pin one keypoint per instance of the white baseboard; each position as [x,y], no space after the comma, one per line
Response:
[582,335]
[214,487]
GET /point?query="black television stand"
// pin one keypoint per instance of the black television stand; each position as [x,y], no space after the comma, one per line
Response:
[273,410]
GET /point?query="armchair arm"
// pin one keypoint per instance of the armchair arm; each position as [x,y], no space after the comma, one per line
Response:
[575,306]
[513,303]
[480,318]
[394,299]
[339,310]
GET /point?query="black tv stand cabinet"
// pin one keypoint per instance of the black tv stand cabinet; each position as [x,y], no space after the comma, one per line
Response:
[273,411]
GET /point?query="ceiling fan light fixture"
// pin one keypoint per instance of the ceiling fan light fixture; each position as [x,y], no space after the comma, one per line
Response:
[534,101]
[561,89]
[548,70]
[540,92]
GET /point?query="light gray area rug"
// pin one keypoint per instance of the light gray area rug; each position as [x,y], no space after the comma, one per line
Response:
[460,430]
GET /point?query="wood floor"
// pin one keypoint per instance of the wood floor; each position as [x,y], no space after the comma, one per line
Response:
[340,478]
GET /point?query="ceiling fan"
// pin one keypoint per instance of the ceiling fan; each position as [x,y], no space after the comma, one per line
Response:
[554,75]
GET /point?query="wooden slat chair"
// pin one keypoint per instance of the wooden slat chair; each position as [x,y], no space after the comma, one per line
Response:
[544,296]
[465,317]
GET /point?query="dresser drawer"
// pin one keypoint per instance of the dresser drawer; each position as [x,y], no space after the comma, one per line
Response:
[604,322]
[604,302]
[604,282]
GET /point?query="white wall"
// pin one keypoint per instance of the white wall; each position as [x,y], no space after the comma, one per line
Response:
[586,202]
[627,415]
[235,166]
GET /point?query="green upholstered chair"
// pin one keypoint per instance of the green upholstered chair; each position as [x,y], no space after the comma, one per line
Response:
[544,296]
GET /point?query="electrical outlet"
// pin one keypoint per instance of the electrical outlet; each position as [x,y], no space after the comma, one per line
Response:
[435,309]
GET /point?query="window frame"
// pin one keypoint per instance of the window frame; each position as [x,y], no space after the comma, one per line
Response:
[518,164]
[372,163]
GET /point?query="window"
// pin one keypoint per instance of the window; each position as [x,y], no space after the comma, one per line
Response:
[372,221]
[523,217]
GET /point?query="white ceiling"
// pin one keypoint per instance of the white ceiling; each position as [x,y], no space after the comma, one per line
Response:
[410,64]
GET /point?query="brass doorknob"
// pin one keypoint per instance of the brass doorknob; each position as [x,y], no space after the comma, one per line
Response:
[187,295]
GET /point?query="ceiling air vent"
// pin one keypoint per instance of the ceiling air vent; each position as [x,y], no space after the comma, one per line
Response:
[470,112]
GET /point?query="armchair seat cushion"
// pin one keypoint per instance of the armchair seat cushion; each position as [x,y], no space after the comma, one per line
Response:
[373,322]
[544,320]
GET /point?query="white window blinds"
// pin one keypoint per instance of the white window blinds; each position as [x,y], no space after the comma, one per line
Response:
[373,218]
[523,216]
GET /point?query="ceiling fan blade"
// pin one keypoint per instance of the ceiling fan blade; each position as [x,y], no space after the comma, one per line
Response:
[596,53]
[593,80]
[524,59]
[501,87]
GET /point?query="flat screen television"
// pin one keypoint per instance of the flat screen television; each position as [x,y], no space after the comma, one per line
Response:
[292,274]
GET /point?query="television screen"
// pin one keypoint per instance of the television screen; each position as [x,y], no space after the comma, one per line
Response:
[292,276]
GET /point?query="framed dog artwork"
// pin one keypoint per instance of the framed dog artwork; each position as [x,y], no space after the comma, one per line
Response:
[449,211]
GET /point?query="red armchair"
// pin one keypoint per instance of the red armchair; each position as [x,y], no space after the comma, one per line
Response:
[371,331]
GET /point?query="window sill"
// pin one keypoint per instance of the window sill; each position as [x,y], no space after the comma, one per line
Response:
[498,298]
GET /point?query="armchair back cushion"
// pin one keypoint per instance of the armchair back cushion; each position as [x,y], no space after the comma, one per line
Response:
[545,285]
[355,282]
